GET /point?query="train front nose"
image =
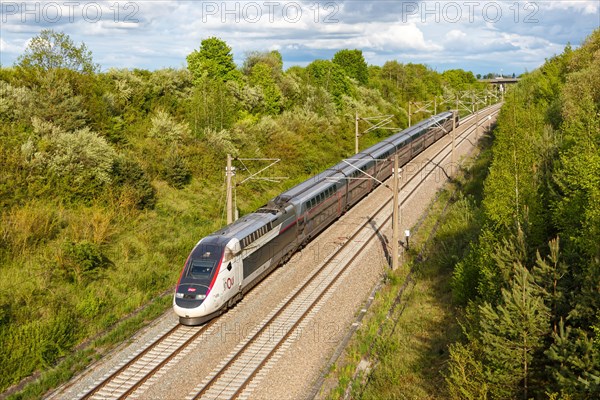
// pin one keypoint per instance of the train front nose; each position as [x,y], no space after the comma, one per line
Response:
[189,304]
[190,296]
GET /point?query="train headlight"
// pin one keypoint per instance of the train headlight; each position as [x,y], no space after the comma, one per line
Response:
[179,295]
[200,296]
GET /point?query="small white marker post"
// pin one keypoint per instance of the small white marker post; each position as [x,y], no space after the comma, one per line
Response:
[406,236]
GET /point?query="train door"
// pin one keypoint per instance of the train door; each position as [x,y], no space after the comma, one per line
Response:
[231,274]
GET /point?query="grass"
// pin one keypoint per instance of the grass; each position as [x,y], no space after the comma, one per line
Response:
[79,359]
[404,339]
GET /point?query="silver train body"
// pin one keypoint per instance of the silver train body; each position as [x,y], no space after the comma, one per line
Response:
[223,266]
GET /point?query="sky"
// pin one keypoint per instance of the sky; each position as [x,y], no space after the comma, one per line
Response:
[481,36]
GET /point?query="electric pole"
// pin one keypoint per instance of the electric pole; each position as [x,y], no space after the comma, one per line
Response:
[453,159]
[477,124]
[380,123]
[229,174]
[395,234]
[356,133]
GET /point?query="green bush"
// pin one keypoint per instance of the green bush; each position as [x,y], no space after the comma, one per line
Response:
[82,262]
[132,184]
[176,172]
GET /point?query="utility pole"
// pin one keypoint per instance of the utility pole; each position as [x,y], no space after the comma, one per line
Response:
[229,174]
[395,234]
[452,156]
[381,122]
[409,114]
[356,133]
[477,124]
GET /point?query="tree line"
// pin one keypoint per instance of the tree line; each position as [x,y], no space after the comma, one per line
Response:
[530,283]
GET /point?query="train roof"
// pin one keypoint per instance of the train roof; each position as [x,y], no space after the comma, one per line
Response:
[319,187]
[305,189]
[245,225]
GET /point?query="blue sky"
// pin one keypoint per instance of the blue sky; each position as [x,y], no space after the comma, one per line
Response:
[481,36]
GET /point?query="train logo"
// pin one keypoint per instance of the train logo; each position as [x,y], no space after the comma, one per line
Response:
[228,283]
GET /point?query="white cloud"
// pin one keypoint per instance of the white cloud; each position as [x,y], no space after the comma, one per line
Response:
[584,7]
[154,34]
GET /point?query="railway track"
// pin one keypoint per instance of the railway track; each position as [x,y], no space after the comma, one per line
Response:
[234,377]
[125,380]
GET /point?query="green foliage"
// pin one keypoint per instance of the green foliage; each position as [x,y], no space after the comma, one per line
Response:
[55,50]
[167,130]
[459,79]
[60,105]
[47,341]
[16,103]
[331,77]
[511,334]
[550,275]
[176,172]
[271,59]
[29,226]
[465,377]
[575,366]
[82,262]
[477,275]
[133,184]
[353,63]
[214,104]
[213,60]
[262,77]
[534,329]
[81,161]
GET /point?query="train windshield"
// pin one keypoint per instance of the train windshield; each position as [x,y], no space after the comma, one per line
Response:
[201,269]
[203,262]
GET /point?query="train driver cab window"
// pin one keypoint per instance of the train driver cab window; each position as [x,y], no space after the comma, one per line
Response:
[201,268]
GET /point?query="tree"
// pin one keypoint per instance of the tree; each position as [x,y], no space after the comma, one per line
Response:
[459,79]
[55,50]
[214,60]
[353,63]
[331,77]
[262,77]
[272,59]
[81,161]
[60,104]
[166,129]
[575,363]
[549,275]
[511,334]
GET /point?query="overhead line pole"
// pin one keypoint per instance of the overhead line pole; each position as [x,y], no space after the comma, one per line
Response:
[229,175]
[384,120]
[356,133]
[395,216]
[452,156]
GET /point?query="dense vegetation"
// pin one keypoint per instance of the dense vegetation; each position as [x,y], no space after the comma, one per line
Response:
[515,254]
[109,178]
[530,283]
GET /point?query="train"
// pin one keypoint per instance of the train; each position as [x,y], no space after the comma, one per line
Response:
[225,265]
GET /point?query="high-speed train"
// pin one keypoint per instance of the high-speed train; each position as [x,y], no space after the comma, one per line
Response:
[223,266]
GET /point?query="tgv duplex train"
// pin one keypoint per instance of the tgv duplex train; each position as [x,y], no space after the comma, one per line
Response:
[222,267]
